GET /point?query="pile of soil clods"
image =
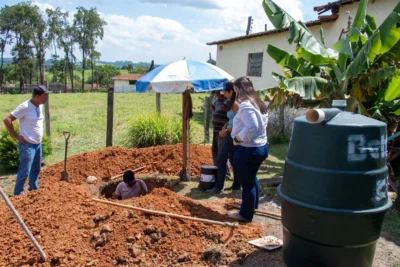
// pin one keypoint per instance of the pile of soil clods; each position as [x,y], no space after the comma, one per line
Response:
[108,162]
[73,230]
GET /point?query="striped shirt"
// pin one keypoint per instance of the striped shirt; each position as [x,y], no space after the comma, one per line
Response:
[219,117]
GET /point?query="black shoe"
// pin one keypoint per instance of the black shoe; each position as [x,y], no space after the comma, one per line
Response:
[233,188]
[214,191]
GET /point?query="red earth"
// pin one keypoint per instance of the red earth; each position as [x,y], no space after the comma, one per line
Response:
[73,230]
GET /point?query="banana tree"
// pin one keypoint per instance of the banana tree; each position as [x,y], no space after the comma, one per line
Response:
[363,67]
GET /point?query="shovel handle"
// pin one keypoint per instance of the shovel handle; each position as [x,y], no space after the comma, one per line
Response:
[66,135]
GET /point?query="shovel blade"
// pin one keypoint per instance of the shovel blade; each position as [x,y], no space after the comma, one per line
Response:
[64,176]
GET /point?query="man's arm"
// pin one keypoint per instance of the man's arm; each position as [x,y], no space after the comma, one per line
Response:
[117,193]
[8,122]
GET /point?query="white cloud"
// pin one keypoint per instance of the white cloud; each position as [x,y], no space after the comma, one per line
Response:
[43,6]
[203,4]
[146,37]
[234,15]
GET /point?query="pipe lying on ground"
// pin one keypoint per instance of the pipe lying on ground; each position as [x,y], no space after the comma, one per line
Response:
[321,115]
[23,225]
[120,175]
[172,215]
[273,215]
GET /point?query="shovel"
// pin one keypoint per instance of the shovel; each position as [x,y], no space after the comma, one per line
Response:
[64,174]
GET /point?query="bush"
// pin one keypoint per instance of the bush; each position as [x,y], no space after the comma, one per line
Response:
[153,130]
[9,156]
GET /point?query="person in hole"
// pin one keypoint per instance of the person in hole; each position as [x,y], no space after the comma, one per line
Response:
[130,187]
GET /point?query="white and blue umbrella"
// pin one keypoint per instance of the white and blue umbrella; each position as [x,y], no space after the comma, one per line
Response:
[176,77]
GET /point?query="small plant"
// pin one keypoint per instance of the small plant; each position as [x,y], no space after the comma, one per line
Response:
[9,156]
[154,130]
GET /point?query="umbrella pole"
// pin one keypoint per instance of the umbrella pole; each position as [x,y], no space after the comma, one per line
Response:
[185,142]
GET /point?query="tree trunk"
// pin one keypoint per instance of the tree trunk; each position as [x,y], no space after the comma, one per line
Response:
[66,63]
[72,69]
[281,119]
[42,56]
[92,75]
[1,66]
[21,80]
[83,69]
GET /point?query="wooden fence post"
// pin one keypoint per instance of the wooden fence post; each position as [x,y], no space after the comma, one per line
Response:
[207,117]
[158,103]
[110,116]
[47,111]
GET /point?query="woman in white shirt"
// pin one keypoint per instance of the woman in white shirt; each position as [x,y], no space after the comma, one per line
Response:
[250,136]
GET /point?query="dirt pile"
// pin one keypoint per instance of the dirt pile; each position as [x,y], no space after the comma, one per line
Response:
[103,164]
[73,230]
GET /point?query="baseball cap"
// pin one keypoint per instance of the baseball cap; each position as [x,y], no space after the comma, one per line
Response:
[40,89]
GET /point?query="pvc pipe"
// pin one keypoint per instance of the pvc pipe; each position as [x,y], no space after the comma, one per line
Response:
[390,138]
[24,227]
[229,224]
[321,115]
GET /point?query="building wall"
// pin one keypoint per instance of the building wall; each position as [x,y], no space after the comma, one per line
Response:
[122,86]
[233,57]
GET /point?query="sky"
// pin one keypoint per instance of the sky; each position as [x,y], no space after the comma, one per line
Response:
[169,30]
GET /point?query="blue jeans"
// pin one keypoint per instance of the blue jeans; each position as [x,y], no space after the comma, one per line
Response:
[247,161]
[30,162]
[227,152]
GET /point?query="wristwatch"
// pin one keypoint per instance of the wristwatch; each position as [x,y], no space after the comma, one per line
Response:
[236,140]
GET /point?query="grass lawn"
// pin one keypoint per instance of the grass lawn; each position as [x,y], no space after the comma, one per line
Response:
[85,116]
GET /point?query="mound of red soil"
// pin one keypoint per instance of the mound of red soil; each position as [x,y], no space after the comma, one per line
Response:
[73,230]
[105,163]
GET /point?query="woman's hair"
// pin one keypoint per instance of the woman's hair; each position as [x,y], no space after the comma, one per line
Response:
[246,91]
[229,88]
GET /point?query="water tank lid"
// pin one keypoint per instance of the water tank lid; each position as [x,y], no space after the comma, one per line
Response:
[340,104]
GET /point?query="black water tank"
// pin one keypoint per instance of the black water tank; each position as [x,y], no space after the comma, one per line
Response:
[334,190]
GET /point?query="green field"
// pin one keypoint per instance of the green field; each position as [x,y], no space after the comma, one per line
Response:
[85,116]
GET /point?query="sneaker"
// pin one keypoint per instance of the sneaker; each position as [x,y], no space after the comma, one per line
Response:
[214,191]
[238,217]
[233,188]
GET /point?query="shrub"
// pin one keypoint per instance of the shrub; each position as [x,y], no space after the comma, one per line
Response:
[9,156]
[153,130]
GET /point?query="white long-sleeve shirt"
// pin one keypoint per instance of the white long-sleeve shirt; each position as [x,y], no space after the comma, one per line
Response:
[250,125]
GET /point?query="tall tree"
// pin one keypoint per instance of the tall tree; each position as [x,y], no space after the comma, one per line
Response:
[5,35]
[60,32]
[88,27]
[94,56]
[41,38]
[22,20]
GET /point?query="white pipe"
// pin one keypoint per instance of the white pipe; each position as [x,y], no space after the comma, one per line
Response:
[321,115]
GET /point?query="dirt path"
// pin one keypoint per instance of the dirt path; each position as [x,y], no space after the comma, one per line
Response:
[387,252]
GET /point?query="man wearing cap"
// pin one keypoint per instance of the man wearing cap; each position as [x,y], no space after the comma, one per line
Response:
[30,117]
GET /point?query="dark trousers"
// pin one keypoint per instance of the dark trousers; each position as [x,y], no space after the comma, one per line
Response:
[217,144]
[227,152]
[247,161]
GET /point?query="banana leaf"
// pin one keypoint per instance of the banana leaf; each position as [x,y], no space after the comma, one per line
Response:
[312,50]
[309,88]
[393,90]
[382,41]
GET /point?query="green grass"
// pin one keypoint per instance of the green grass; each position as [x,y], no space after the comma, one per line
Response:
[272,167]
[85,116]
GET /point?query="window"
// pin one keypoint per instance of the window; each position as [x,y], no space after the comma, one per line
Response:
[132,82]
[254,67]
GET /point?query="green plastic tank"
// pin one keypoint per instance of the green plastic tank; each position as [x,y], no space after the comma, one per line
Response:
[334,189]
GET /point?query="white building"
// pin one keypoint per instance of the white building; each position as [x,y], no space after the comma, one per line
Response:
[237,55]
[125,83]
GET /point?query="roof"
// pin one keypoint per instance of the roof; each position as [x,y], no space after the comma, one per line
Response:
[321,20]
[128,77]
[334,5]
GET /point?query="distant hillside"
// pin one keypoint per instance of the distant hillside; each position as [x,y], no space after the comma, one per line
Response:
[118,64]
